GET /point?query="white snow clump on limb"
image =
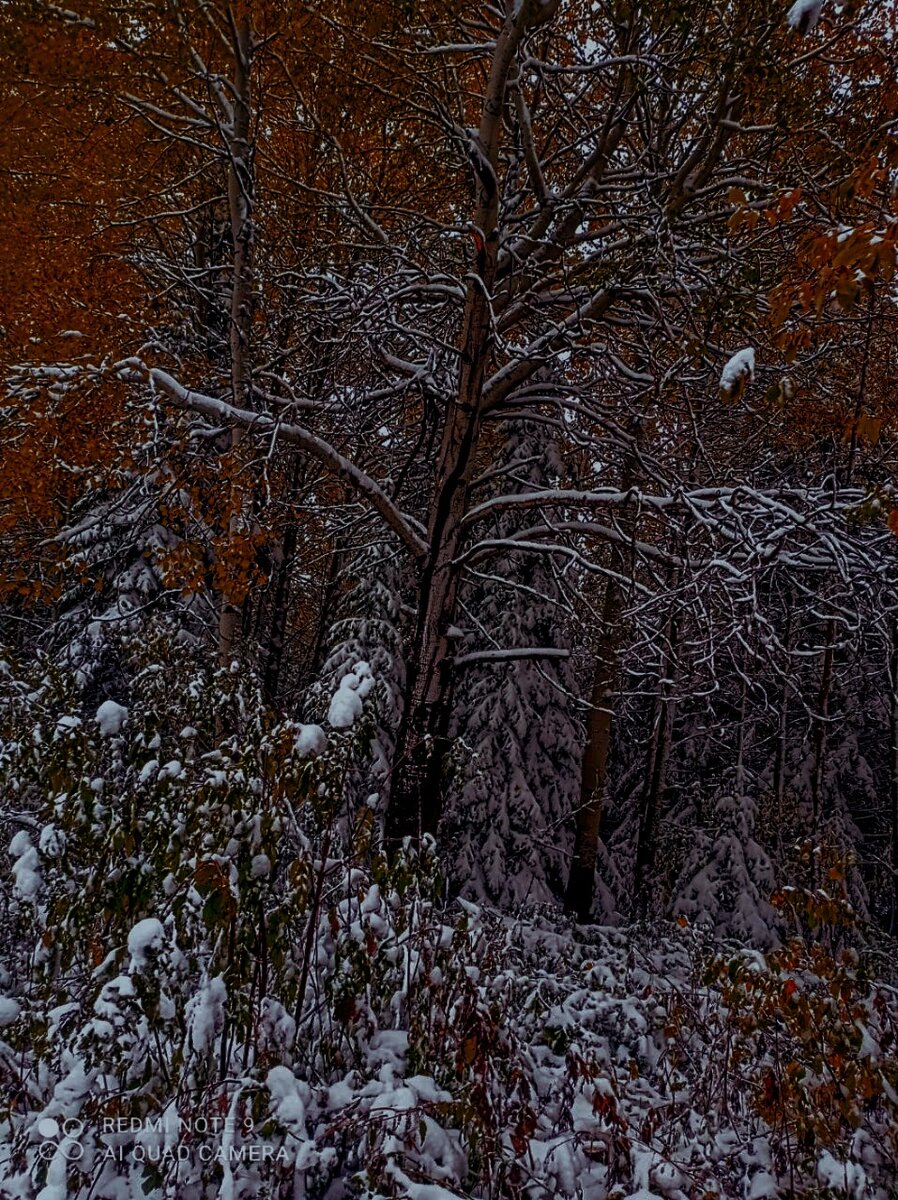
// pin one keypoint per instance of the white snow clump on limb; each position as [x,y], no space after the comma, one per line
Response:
[738,373]
[111,717]
[205,1014]
[311,740]
[346,705]
[26,868]
[147,935]
[9,1010]
[804,15]
[286,1100]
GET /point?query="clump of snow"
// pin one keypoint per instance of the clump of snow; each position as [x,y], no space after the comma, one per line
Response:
[845,1179]
[206,1014]
[148,770]
[9,1010]
[276,1027]
[111,717]
[346,704]
[260,867]
[51,841]
[738,372]
[804,15]
[111,1012]
[763,1186]
[19,844]
[310,740]
[145,938]
[171,770]
[286,1100]
[26,868]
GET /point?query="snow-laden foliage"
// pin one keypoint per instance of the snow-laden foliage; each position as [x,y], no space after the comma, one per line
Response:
[804,15]
[517,736]
[365,628]
[214,984]
[728,877]
[737,373]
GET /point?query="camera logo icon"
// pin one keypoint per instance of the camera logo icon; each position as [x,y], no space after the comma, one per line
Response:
[51,1130]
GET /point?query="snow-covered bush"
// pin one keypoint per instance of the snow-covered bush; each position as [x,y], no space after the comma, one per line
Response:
[728,877]
[214,983]
[517,735]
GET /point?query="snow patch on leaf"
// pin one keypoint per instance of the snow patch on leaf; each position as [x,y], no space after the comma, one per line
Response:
[346,704]
[144,940]
[111,717]
[738,373]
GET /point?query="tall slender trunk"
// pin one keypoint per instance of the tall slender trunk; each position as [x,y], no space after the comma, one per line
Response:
[656,761]
[580,891]
[578,898]
[821,720]
[241,206]
[782,734]
[740,736]
[416,788]
[241,197]
[329,603]
[893,714]
[277,627]
[415,804]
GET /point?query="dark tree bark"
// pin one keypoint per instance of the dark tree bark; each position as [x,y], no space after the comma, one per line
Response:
[241,195]
[893,714]
[580,892]
[416,790]
[821,720]
[656,761]
[578,899]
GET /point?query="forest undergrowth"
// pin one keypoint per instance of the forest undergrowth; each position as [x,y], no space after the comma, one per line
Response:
[216,983]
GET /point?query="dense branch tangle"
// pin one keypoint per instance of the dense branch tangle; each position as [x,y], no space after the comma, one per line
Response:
[541,213]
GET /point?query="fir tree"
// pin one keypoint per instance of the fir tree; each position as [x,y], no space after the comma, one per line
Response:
[508,827]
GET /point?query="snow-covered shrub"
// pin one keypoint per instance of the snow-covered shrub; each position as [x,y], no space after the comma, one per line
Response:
[366,628]
[507,827]
[214,983]
[727,877]
[811,1038]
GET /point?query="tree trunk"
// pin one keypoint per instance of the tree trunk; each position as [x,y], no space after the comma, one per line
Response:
[782,736]
[241,190]
[740,734]
[415,803]
[416,789]
[578,898]
[277,628]
[893,698]
[656,764]
[821,721]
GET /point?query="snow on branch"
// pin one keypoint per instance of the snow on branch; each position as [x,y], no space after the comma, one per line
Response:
[510,655]
[804,15]
[604,533]
[559,498]
[737,374]
[220,410]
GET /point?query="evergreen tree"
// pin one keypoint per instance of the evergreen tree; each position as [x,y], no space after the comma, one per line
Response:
[517,735]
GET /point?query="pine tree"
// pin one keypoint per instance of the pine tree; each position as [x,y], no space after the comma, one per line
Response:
[366,629]
[517,735]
